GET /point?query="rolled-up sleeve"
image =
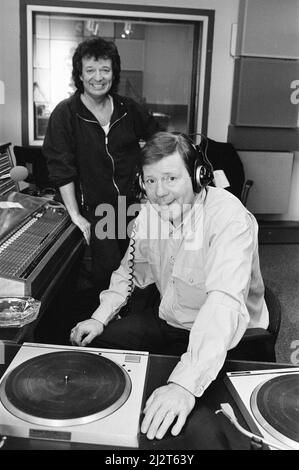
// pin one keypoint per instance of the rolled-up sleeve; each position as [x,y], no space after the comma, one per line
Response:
[58,147]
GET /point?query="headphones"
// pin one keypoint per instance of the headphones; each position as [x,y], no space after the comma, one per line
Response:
[199,166]
[203,168]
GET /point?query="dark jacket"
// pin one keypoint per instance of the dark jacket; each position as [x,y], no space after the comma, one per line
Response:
[77,149]
[224,156]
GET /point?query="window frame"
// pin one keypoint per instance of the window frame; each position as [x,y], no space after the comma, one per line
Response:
[202,51]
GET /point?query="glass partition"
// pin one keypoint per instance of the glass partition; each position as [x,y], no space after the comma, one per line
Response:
[164,62]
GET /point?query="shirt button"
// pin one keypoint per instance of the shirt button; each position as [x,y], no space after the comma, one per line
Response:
[172,259]
[191,280]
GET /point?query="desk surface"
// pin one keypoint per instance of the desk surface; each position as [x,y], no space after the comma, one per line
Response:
[60,271]
[204,429]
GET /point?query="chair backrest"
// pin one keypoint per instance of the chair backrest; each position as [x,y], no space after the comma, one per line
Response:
[223,156]
[274,308]
[258,344]
[34,160]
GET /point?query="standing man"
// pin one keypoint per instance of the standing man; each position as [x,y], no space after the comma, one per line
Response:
[92,150]
[199,245]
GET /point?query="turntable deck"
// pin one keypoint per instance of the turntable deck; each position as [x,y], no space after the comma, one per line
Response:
[269,402]
[73,394]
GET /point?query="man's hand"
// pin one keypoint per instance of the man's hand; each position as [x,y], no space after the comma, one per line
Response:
[83,225]
[166,404]
[85,331]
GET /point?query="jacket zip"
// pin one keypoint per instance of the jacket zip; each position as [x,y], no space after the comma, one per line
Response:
[106,146]
[112,161]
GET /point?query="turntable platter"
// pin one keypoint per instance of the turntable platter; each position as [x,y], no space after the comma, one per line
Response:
[275,405]
[65,388]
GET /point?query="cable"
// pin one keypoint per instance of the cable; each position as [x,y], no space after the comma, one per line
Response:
[131,261]
[227,410]
[2,442]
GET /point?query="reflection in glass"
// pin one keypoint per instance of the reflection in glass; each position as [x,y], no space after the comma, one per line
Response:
[156,61]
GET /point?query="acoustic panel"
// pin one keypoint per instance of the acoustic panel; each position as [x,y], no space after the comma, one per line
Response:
[268,28]
[271,175]
[264,138]
[266,93]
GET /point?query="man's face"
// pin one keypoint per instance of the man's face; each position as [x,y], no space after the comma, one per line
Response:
[97,76]
[169,187]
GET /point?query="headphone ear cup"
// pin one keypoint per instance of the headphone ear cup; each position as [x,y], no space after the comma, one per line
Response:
[199,176]
[202,176]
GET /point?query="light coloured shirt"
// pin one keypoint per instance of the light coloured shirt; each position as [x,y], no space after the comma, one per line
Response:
[208,274]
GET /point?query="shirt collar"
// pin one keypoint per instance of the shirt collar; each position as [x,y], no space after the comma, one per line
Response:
[190,220]
[186,229]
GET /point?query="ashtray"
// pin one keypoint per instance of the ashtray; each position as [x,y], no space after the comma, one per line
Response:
[16,312]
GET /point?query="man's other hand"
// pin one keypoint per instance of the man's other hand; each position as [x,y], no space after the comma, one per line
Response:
[167,405]
[85,331]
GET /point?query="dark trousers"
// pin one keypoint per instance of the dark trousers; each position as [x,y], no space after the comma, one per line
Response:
[105,253]
[141,328]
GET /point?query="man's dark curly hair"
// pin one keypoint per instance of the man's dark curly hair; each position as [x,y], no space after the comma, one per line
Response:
[98,48]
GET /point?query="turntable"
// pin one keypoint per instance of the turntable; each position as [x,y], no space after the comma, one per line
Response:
[269,402]
[66,393]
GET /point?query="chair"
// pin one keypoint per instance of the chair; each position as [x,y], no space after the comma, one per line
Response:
[223,156]
[33,159]
[258,344]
